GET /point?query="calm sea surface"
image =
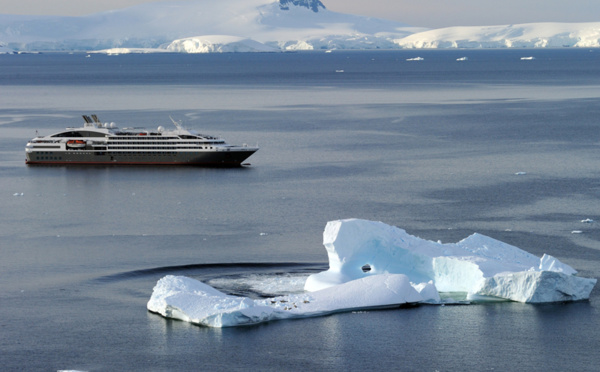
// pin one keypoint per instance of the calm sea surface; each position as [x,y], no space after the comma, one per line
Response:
[442,148]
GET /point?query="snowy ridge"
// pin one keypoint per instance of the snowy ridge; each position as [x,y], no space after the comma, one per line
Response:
[373,265]
[531,35]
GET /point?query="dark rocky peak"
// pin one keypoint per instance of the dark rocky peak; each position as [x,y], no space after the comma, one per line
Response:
[310,4]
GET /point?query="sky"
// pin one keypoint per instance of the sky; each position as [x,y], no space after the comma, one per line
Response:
[422,13]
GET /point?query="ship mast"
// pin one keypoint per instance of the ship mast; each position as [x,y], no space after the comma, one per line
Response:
[177,124]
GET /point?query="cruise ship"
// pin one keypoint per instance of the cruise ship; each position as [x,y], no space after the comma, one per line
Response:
[98,143]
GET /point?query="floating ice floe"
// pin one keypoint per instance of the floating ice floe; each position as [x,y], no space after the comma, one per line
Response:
[374,265]
[187,299]
[587,220]
[416,59]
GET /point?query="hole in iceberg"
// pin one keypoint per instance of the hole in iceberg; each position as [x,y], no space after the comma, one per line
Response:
[366,268]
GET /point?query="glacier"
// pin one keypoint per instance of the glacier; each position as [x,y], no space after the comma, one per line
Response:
[205,26]
[373,265]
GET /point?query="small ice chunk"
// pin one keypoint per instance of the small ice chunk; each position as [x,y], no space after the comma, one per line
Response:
[428,292]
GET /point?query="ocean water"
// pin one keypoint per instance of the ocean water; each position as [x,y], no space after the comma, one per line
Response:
[441,148]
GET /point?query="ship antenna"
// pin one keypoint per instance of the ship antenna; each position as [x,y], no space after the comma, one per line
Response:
[176,123]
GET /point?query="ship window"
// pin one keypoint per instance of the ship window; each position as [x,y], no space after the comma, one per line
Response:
[68,134]
[80,133]
[92,134]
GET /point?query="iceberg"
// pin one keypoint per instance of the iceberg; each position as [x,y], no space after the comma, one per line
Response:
[482,267]
[373,266]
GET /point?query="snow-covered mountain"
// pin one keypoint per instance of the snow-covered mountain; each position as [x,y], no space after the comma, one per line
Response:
[279,24]
[203,26]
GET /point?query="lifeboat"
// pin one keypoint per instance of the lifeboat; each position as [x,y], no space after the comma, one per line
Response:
[76,144]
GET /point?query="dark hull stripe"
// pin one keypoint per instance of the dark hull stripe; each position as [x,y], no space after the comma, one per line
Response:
[223,158]
[51,162]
